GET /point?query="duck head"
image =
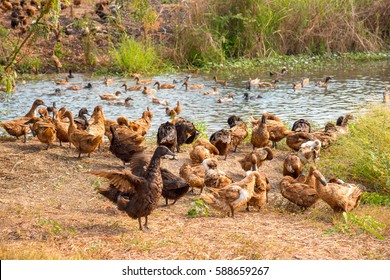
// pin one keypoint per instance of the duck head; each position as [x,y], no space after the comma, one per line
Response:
[162,151]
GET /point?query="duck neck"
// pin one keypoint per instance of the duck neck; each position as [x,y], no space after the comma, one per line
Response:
[31,113]
[153,169]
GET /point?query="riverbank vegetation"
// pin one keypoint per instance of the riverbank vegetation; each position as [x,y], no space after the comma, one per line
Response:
[363,156]
[121,37]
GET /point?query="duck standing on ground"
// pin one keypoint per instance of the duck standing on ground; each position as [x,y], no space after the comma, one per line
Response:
[17,127]
[137,192]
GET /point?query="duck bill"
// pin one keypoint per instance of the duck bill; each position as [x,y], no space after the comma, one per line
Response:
[171,153]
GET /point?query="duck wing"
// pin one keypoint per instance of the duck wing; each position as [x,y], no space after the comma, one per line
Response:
[124,181]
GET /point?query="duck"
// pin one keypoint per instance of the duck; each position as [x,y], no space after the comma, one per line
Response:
[255,159]
[296,139]
[343,128]
[222,140]
[193,175]
[260,193]
[84,142]
[277,130]
[45,130]
[301,125]
[281,73]
[136,192]
[198,86]
[142,82]
[310,151]
[252,83]
[125,132]
[260,135]
[164,86]
[167,136]
[215,91]
[199,153]
[292,166]
[226,99]
[251,97]
[148,91]
[133,88]
[221,82]
[327,135]
[170,112]
[126,102]
[266,84]
[186,132]
[88,86]
[96,124]
[297,86]
[340,197]
[324,83]
[158,101]
[73,87]
[70,75]
[238,130]
[232,196]
[144,121]
[17,127]
[206,143]
[298,192]
[174,187]
[61,127]
[123,148]
[108,81]
[114,96]
[305,81]
[178,108]
[214,177]
[81,120]
[62,82]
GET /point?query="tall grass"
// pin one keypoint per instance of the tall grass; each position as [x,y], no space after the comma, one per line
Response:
[132,56]
[364,155]
[216,30]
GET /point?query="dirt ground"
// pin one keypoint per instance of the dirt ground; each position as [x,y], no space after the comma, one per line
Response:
[49,209]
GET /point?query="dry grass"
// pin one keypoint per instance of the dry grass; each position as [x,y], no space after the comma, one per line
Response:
[50,210]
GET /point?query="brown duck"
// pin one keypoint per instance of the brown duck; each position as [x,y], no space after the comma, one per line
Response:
[17,127]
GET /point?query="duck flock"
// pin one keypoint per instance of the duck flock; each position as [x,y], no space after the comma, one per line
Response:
[137,188]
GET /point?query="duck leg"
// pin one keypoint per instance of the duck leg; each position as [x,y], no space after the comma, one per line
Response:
[232,211]
[146,229]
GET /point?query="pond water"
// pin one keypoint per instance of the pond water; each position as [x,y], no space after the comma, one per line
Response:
[352,87]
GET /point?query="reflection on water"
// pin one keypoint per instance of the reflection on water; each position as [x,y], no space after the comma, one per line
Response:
[348,91]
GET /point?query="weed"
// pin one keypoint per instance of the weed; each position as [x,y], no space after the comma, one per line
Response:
[375,199]
[96,183]
[198,209]
[351,223]
[201,126]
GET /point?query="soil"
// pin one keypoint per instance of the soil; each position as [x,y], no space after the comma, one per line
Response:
[50,210]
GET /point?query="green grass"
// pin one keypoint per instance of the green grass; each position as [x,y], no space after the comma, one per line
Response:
[352,223]
[132,56]
[364,155]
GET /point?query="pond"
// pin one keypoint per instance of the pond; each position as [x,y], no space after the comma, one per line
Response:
[352,87]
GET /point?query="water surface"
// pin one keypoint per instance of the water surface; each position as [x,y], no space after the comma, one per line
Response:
[349,90]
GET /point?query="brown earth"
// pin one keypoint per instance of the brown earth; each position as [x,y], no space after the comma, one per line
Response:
[50,210]
[85,37]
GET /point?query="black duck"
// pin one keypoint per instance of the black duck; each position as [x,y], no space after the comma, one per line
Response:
[138,191]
